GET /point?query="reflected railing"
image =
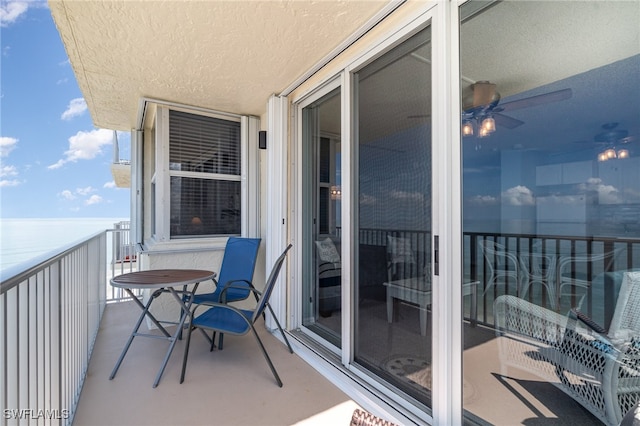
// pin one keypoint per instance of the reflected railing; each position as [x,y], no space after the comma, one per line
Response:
[50,312]
[419,241]
[575,260]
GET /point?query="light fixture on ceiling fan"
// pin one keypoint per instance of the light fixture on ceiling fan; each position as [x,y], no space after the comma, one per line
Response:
[483,113]
[613,138]
[480,113]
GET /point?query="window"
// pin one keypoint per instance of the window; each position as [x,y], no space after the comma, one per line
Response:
[205,170]
[204,175]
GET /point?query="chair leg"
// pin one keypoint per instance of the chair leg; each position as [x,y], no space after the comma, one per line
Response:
[266,356]
[280,328]
[186,354]
[213,341]
[220,341]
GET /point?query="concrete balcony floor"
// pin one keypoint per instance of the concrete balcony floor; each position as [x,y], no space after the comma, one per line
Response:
[229,387]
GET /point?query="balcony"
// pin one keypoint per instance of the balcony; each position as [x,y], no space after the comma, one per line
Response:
[121,172]
[232,386]
[120,169]
[63,327]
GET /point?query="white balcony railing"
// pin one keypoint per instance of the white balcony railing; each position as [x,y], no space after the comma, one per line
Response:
[50,312]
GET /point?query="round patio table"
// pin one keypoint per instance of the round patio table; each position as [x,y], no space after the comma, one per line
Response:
[161,281]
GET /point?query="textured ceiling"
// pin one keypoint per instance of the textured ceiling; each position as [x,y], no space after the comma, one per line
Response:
[232,55]
[224,55]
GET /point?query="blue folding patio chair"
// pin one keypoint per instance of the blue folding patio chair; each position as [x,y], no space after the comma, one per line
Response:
[238,265]
[237,268]
[227,319]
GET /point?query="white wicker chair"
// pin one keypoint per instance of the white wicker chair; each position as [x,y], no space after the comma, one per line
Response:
[538,268]
[503,267]
[600,370]
[574,276]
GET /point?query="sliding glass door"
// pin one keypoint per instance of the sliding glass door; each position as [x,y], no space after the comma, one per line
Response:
[392,302]
[321,217]
[551,210]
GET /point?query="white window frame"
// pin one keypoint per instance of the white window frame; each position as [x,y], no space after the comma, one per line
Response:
[249,175]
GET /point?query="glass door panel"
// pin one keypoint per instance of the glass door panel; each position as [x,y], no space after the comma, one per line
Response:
[393,287]
[551,210]
[322,267]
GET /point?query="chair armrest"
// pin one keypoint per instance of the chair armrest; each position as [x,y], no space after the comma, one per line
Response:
[247,285]
[588,321]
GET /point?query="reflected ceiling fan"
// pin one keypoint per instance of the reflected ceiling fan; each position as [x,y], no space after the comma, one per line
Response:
[482,108]
[614,141]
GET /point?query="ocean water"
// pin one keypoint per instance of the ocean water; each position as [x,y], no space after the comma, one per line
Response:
[24,239]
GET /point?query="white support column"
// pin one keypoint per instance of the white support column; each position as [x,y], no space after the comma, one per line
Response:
[277,194]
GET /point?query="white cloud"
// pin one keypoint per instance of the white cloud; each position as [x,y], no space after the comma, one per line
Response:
[85,191]
[519,196]
[7,145]
[81,193]
[8,171]
[607,194]
[12,10]
[67,195]
[94,199]
[85,146]
[76,107]
[111,184]
[483,200]
[5,183]
[62,81]
[56,165]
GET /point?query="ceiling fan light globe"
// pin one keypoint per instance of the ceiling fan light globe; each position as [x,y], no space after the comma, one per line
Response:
[489,124]
[623,153]
[610,153]
[467,128]
[602,156]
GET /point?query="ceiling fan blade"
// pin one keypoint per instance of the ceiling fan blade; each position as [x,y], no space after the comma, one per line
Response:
[557,96]
[506,121]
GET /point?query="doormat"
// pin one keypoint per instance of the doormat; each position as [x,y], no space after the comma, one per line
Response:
[417,372]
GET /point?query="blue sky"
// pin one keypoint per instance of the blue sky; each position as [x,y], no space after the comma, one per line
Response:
[53,161]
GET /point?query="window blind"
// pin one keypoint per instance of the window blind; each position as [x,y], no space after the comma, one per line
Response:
[199,143]
[204,206]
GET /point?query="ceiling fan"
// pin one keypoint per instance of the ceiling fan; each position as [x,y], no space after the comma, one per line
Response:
[614,141]
[608,144]
[483,107]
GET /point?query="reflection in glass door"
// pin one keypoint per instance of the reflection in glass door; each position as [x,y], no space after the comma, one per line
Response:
[551,210]
[322,265]
[393,288]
